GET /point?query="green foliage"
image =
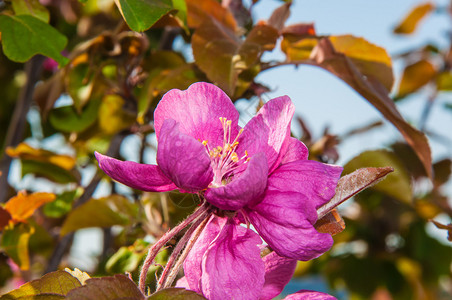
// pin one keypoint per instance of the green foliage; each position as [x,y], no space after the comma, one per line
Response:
[31,7]
[140,15]
[24,36]
[104,212]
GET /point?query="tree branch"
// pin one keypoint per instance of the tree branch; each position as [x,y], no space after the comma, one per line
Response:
[63,244]
[18,122]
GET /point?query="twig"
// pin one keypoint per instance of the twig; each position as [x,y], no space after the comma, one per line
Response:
[16,127]
[426,111]
[64,243]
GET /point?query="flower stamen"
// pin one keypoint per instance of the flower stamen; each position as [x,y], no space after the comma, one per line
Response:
[224,159]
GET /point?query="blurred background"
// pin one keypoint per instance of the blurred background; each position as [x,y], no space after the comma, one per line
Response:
[389,249]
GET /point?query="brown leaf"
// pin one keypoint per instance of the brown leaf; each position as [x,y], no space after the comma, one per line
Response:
[442,170]
[222,55]
[331,223]
[280,16]
[22,206]
[5,217]
[200,11]
[369,86]
[446,227]
[352,184]
[415,76]
[107,288]
[409,23]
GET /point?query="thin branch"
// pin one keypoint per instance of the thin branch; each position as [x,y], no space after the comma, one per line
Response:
[18,122]
[63,244]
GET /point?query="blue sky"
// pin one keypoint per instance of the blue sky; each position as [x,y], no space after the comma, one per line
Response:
[322,99]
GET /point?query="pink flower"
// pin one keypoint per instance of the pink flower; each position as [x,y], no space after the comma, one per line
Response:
[257,174]
[226,263]
[259,170]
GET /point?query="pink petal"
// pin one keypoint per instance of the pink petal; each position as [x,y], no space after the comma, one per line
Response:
[182,283]
[269,131]
[192,264]
[315,180]
[296,150]
[248,186]
[278,272]
[285,221]
[309,295]
[198,110]
[183,159]
[138,176]
[232,267]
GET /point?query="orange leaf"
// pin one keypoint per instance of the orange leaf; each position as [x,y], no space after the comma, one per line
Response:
[410,22]
[331,223]
[22,206]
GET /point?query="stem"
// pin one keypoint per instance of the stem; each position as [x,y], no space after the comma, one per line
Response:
[194,237]
[426,111]
[154,250]
[18,121]
[179,247]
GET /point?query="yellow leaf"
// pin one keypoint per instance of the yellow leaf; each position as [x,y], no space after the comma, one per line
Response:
[22,206]
[410,22]
[112,117]
[415,76]
[80,275]
[25,151]
[371,60]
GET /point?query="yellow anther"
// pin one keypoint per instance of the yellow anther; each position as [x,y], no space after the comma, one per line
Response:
[204,142]
[228,122]
[234,157]
[246,153]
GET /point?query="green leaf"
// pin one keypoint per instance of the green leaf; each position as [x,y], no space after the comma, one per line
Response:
[128,259]
[397,184]
[118,287]
[25,36]
[50,171]
[62,204]
[176,294]
[15,244]
[103,212]
[140,15]
[53,285]
[444,81]
[67,119]
[31,7]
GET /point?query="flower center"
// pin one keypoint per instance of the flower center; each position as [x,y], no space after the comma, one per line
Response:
[224,159]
